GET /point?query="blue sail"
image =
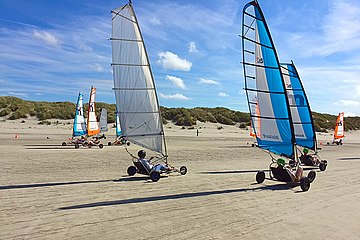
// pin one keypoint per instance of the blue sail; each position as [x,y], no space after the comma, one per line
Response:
[118,127]
[264,85]
[79,128]
[300,109]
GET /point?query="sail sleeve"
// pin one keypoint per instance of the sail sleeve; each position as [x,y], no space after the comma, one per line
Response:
[265,90]
[135,93]
[300,109]
[79,128]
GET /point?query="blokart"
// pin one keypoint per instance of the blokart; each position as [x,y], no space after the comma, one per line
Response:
[154,174]
[313,160]
[279,171]
[118,142]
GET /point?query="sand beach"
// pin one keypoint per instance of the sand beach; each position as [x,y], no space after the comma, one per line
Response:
[48,191]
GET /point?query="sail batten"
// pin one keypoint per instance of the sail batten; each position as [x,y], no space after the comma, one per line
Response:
[270,115]
[136,99]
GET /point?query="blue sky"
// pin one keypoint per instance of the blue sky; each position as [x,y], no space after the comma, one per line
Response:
[51,50]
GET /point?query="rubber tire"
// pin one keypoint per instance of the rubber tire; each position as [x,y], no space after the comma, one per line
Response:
[63,144]
[77,146]
[260,176]
[311,176]
[131,170]
[155,176]
[101,145]
[128,143]
[322,166]
[109,143]
[305,184]
[183,170]
[253,145]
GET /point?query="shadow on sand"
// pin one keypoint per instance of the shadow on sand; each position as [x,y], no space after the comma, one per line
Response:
[275,187]
[234,171]
[35,185]
[349,158]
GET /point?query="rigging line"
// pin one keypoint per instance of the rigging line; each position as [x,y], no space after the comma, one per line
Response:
[272,118]
[253,41]
[250,26]
[256,65]
[263,91]
[118,14]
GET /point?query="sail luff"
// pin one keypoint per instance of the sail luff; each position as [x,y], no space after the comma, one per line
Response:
[277,132]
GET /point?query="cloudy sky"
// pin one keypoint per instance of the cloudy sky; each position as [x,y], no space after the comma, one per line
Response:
[51,50]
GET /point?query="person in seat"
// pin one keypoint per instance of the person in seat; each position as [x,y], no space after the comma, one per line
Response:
[149,165]
[306,157]
[295,174]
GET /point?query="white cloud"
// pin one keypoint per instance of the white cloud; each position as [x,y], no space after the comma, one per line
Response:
[18,94]
[222,94]
[47,37]
[97,67]
[176,81]
[172,61]
[155,21]
[175,96]
[192,47]
[350,103]
[208,81]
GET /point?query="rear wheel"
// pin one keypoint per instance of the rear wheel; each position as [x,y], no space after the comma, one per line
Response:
[305,184]
[128,143]
[183,170]
[63,144]
[109,143]
[311,176]
[322,166]
[155,176]
[77,146]
[131,170]
[101,145]
[260,177]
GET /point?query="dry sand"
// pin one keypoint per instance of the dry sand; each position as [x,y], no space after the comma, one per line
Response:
[52,192]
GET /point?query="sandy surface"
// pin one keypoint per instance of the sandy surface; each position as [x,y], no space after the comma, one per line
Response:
[52,192]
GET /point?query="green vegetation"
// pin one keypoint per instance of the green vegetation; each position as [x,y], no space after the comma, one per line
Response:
[15,108]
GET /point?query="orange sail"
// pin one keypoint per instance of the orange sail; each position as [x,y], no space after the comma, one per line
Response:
[93,127]
[339,127]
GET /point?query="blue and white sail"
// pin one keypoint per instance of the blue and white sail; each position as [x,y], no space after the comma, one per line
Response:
[135,92]
[79,128]
[118,127]
[264,82]
[304,130]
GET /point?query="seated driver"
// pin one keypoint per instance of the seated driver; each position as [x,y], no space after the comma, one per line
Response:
[148,165]
[294,174]
[313,158]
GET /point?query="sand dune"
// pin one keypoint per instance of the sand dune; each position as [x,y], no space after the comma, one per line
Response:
[52,192]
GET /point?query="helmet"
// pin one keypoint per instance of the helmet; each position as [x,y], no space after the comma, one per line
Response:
[305,150]
[281,162]
[142,154]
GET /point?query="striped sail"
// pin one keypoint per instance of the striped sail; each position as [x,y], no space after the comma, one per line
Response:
[339,127]
[92,123]
[103,120]
[264,82]
[79,128]
[305,135]
[135,93]
[118,127]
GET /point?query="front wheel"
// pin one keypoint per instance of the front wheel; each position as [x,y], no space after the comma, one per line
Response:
[77,146]
[155,176]
[311,176]
[260,177]
[322,166]
[183,170]
[101,145]
[63,144]
[109,143]
[131,170]
[305,184]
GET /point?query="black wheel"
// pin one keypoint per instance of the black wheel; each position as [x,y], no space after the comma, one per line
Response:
[128,143]
[101,145]
[322,166]
[131,170]
[327,143]
[77,146]
[63,144]
[109,143]
[183,170]
[305,184]
[260,177]
[253,145]
[155,176]
[311,176]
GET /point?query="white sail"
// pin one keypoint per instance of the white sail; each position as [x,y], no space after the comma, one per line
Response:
[92,123]
[103,121]
[136,99]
